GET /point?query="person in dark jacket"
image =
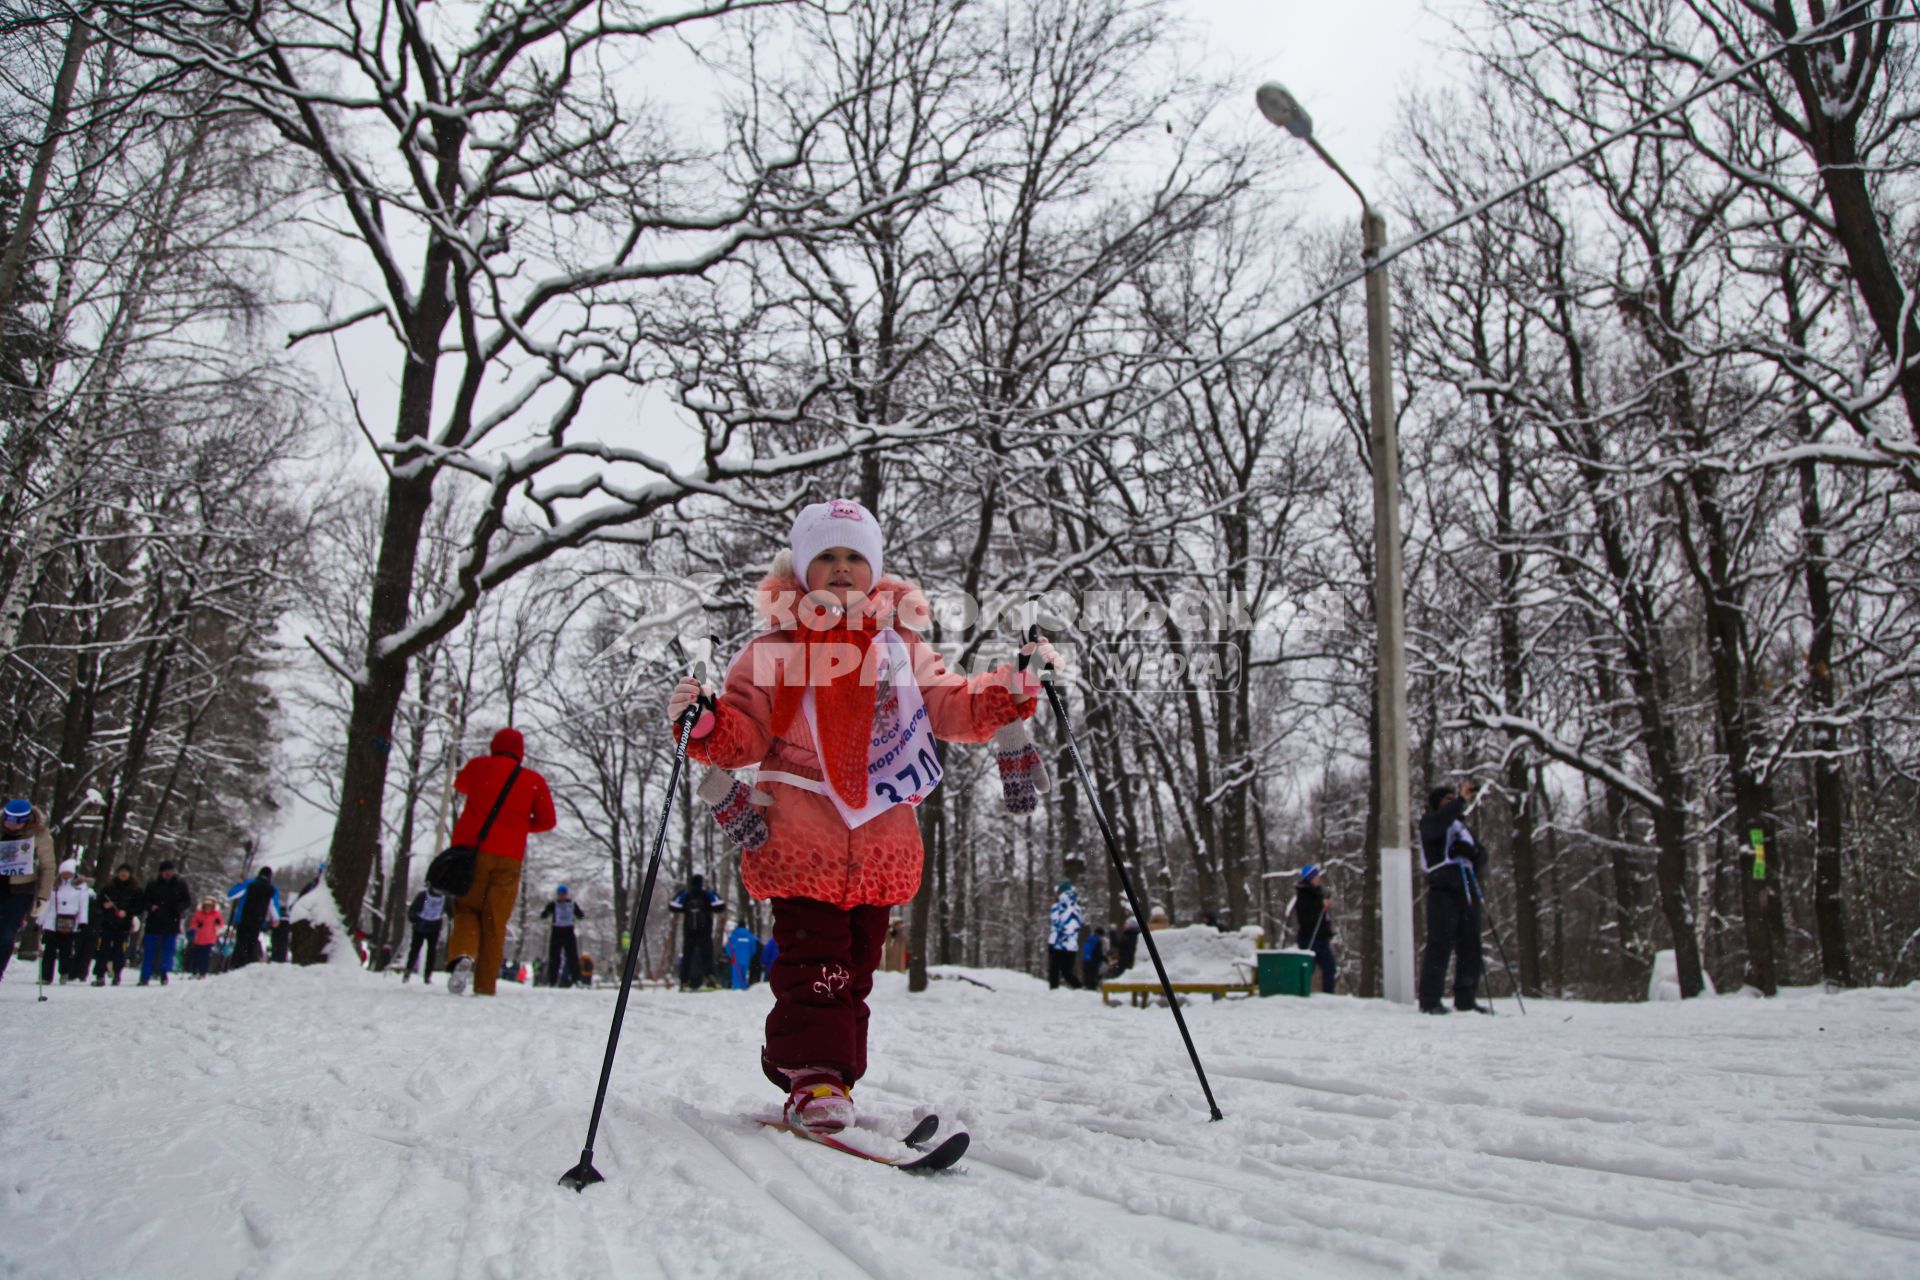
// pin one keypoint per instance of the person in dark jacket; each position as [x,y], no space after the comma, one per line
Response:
[1129,943]
[1314,923]
[119,906]
[696,905]
[256,906]
[1453,860]
[429,909]
[166,901]
[563,945]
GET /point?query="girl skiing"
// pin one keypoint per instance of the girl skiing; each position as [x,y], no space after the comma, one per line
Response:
[838,703]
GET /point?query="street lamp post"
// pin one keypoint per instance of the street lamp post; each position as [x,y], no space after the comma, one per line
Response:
[1396,858]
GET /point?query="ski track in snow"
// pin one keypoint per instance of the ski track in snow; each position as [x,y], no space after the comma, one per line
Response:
[280,1123]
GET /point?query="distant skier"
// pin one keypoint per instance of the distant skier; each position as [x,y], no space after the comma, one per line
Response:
[28,870]
[1093,958]
[563,945]
[1453,860]
[166,901]
[499,780]
[1129,942]
[203,934]
[697,906]
[769,952]
[586,969]
[1313,923]
[427,914]
[118,906]
[840,704]
[1063,939]
[742,946]
[255,905]
[893,952]
[86,936]
[60,918]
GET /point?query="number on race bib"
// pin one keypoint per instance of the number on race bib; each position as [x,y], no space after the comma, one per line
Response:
[16,857]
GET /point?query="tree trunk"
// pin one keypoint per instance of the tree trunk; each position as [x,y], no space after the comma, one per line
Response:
[1642,650]
[1829,784]
[1509,564]
[13,262]
[383,679]
[1843,176]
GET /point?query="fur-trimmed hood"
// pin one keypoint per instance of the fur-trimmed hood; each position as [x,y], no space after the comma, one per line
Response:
[896,602]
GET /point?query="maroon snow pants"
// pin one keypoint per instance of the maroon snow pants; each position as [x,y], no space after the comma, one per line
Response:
[821,979]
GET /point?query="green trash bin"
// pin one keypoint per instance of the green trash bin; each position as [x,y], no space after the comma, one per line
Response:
[1284,973]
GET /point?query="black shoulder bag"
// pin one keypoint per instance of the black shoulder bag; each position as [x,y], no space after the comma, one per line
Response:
[451,871]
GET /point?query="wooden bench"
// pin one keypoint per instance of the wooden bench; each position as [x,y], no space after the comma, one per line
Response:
[1142,993]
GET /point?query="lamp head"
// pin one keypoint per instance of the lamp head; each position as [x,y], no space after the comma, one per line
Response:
[1283,109]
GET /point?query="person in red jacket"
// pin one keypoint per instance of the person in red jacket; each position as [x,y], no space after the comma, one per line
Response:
[480,915]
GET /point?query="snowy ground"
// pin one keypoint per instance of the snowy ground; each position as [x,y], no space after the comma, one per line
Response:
[281,1123]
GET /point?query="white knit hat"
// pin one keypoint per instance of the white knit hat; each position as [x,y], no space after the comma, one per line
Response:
[70,867]
[839,523]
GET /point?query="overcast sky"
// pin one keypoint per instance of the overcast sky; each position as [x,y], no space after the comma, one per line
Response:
[1348,62]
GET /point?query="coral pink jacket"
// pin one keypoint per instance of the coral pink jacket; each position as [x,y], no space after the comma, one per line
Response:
[810,851]
[205,927]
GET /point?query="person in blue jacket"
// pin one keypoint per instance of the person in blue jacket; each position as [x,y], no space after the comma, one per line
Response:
[769,952]
[1093,958]
[741,948]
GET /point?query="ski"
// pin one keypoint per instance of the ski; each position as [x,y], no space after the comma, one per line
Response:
[922,1132]
[943,1156]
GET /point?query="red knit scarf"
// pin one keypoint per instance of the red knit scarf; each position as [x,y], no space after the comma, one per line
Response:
[843,707]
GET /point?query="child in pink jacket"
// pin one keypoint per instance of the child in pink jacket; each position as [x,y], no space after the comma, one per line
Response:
[838,704]
[203,933]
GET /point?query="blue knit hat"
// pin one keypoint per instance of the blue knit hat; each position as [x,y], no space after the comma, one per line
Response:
[561,889]
[1309,871]
[18,811]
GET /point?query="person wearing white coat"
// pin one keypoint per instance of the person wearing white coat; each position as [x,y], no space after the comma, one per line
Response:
[60,919]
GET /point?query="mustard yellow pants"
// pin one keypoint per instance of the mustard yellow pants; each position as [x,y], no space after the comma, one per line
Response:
[480,918]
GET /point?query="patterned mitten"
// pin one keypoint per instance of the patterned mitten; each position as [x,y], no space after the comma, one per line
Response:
[736,807]
[1023,775]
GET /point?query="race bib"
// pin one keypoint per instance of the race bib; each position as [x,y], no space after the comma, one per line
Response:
[563,915]
[433,908]
[16,857]
[903,764]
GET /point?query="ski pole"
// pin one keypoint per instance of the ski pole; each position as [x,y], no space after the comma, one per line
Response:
[1480,901]
[584,1175]
[1120,868]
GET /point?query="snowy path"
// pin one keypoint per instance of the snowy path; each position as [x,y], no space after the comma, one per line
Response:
[282,1123]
